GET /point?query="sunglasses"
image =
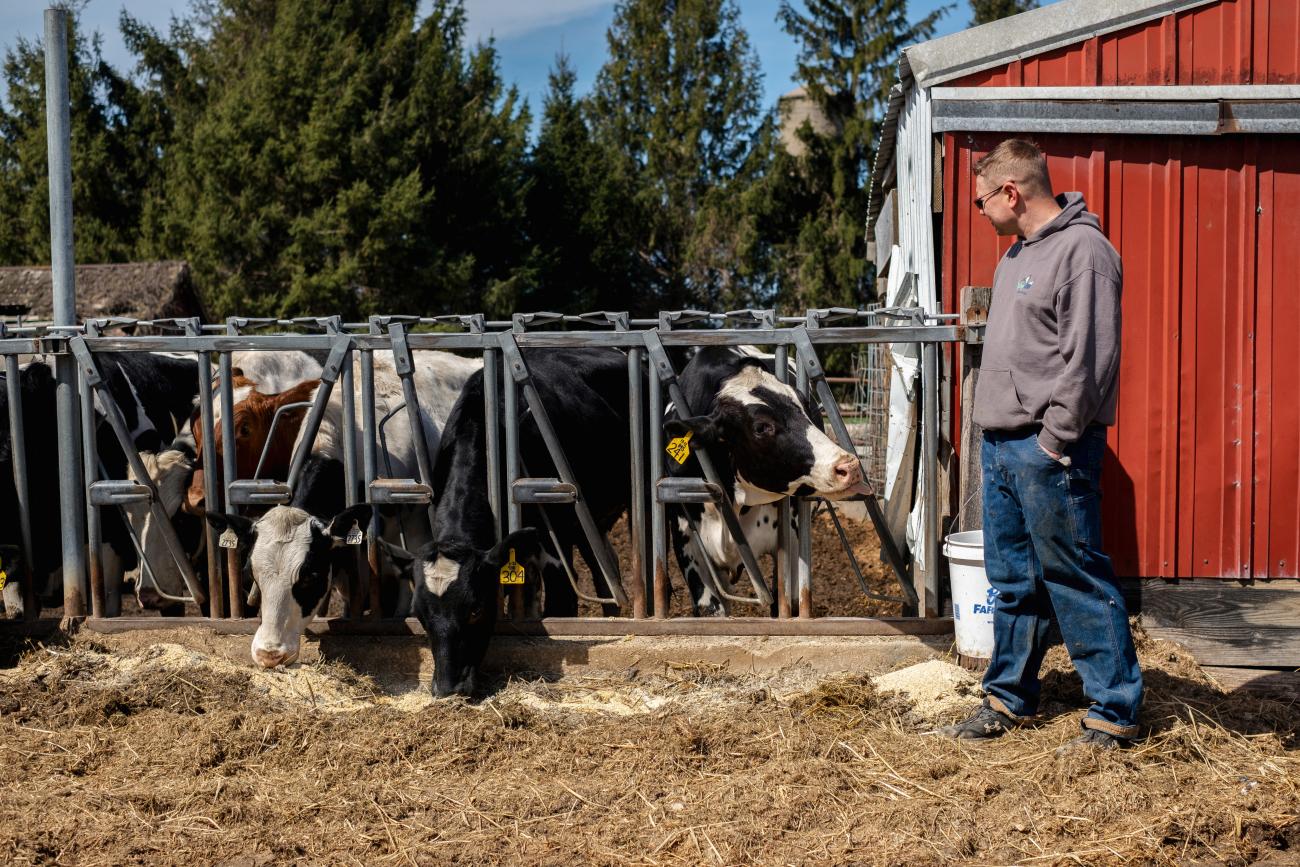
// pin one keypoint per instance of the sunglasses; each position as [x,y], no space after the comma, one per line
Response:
[979,203]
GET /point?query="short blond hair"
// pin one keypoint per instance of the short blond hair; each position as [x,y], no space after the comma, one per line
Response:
[1019,160]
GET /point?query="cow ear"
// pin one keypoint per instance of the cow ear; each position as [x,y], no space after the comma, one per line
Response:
[526,545]
[401,557]
[347,523]
[242,527]
[705,430]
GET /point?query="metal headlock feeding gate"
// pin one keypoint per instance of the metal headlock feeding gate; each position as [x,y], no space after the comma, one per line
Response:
[348,351]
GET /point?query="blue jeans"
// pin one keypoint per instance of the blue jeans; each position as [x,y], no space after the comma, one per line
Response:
[1042,552]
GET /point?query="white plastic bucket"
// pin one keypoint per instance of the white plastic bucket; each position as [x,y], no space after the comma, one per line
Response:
[972,595]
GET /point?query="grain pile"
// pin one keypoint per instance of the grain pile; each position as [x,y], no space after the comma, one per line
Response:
[167,754]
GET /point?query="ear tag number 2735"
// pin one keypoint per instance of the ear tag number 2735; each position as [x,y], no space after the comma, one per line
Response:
[679,449]
[228,539]
[512,572]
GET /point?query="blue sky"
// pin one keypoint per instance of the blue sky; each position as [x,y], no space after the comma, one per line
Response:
[528,33]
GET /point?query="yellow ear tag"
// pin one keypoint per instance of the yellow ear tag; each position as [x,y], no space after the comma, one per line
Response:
[4,576]
[679,449]
[512,572]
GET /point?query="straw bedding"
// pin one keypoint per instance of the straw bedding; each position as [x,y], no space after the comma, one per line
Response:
[169,754]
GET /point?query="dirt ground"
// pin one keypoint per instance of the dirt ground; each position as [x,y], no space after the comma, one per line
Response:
[162,752]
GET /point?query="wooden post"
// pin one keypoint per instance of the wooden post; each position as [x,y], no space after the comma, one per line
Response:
[973,302]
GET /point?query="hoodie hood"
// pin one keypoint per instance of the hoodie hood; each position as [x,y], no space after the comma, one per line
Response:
[1074,212]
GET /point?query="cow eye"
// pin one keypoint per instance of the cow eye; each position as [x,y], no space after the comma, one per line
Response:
[764,428]
[244,432]
[476,615]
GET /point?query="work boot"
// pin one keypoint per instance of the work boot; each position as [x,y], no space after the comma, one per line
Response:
[984,723]
[1091,739]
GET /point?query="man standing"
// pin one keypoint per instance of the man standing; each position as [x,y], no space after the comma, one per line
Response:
[1047,390]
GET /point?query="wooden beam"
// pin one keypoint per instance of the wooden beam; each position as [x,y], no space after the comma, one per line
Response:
[974,304]
[1226,623]
[1281,682]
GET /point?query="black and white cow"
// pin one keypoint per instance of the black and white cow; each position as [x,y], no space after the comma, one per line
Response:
[155,393]
[290,556]
[767,444]
[456,576]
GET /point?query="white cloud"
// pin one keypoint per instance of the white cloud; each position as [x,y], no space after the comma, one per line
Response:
[508,18]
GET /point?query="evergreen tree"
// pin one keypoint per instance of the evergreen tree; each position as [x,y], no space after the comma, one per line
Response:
[577,210]
[111,170]
[812,208]
[678,104]
[338,158]
[984,11]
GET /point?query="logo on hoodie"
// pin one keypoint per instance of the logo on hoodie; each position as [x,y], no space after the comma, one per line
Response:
[1025,284]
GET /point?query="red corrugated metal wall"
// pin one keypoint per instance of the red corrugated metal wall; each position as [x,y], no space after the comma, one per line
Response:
[1203,474]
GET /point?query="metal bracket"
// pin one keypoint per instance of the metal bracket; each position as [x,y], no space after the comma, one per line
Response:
[118,492]
[400,492]
[259,492]
[537,491]
[687,490]
[521,321]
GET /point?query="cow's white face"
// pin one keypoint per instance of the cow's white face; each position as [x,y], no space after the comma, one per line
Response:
[170,472]
[289,555]
[775,447]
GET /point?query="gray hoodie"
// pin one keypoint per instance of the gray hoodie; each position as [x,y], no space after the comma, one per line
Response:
[1051,349]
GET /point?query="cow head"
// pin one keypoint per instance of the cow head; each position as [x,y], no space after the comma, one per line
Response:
[771,440]
[289,554]
[170,472]
[456,601]
[251,419]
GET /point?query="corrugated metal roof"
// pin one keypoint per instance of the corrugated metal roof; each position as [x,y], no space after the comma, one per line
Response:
[1029,33]
[1000,42]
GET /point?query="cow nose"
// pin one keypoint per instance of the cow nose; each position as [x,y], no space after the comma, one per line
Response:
[270,658]
[848,471]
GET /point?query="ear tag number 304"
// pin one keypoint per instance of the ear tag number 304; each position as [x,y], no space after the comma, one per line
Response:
[4,576]
[228,539]
[679,449]
[512,572]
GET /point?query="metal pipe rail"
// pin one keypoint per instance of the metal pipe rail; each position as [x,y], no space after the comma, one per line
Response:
[644,591]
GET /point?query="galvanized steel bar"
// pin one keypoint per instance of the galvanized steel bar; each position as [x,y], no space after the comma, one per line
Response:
[510,393]
[59,145]
[641,582]
[492,431]
[787,561]
[94,536]
[803,515]
[658,514]
[22,493]
[370,470]
[234,577]
[211,490]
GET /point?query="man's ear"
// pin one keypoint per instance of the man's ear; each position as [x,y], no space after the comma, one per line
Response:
[243,527]
[705,430]
[526,545]
[345,522]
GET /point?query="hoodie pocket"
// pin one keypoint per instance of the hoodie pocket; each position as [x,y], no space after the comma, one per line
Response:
[998,404]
